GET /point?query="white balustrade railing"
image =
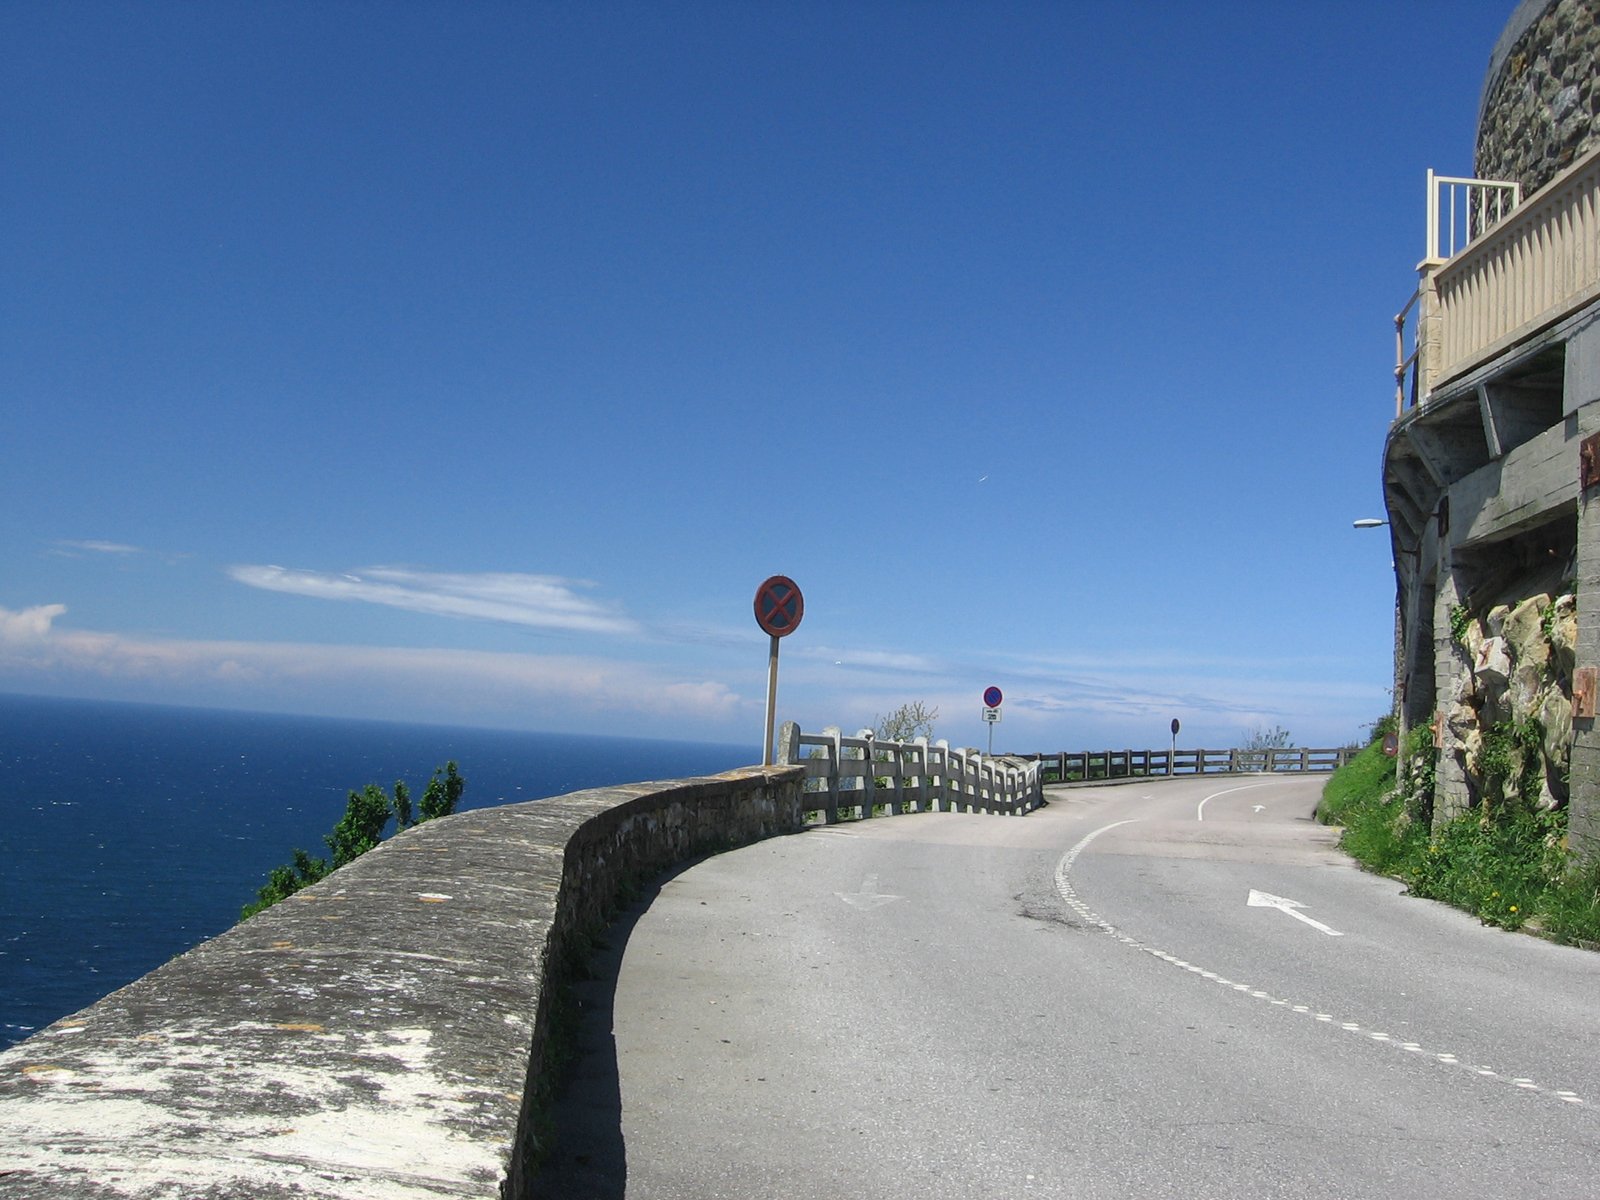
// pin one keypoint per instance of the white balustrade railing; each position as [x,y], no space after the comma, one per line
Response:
[1462,210]
[1499,268]
[863,776]
[1530,269]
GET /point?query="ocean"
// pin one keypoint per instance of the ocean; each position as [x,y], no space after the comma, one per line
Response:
[130,833]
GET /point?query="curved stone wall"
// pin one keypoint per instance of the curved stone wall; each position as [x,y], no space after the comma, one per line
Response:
[1541,103]
[381,1035]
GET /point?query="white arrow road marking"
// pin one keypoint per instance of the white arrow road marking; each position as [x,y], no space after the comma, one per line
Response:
[1258,808]
[868,896]
[1200,812]
[1268,900]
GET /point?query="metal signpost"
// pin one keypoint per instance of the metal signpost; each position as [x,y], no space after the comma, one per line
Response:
[991,712]
[779,607]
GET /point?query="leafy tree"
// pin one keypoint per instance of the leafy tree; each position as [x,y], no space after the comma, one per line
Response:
[361,828]
[402,805]
[908,722]
[443,793]
[1259,738]
[366,816]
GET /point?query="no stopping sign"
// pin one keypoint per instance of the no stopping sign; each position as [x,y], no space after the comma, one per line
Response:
[779,606]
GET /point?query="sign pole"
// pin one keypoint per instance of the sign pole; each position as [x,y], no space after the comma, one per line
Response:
[779,607]
[991,712]
[772,697]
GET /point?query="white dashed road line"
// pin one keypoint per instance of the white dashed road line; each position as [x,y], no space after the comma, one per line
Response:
[1064,886]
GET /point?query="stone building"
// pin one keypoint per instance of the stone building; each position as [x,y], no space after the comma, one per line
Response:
[1492,465]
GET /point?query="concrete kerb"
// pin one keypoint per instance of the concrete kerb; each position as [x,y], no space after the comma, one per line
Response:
[1074,784]
[381,1034]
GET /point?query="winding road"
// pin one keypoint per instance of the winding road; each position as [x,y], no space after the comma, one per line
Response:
[1169,988]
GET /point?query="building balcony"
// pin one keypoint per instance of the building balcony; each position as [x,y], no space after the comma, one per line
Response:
[1524,265]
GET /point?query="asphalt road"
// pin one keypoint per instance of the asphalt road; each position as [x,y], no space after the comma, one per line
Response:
[1081,1002]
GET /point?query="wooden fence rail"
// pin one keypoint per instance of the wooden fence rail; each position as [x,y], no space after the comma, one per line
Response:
[1116,764]
[861,777]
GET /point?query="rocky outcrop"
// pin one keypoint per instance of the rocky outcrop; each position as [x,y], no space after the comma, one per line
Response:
[1520,695]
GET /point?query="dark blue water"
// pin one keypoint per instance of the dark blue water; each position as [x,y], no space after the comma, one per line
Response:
[129,833]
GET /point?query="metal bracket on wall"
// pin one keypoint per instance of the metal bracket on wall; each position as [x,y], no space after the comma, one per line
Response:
[1584,680]
[1589,462]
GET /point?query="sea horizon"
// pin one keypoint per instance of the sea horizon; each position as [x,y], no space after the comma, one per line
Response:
[135,831]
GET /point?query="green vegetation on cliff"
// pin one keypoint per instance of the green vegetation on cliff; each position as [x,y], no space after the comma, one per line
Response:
[1505,861]
[366,815]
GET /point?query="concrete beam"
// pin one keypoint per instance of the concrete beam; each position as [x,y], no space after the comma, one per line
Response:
[1491,431]
[1451,451]
[1531,486]
[1581,379]
[1517,411]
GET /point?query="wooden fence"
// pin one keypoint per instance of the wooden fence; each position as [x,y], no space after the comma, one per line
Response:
[860,777]
[1066,766]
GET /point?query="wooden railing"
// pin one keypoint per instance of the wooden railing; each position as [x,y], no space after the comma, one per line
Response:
[1068,766]
[861,777]
[1535,266]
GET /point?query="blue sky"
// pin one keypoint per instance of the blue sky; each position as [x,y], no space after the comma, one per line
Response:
[474,363]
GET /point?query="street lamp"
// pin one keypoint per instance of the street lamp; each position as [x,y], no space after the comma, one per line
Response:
[1369,523]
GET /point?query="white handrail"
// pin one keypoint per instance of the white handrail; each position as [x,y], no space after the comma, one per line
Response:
[1483,204]
[1499,268]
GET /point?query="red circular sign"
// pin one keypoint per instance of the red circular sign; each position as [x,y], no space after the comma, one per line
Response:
[779,606]
[992,697]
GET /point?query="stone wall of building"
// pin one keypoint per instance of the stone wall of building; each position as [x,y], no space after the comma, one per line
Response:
[1541,98]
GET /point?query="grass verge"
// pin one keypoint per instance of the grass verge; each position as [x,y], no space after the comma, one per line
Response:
[1510,869]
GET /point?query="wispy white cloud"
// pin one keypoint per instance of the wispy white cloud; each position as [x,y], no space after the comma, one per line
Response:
[1142,660]
[94,546]
[541,601]
[874,660]
[34,647]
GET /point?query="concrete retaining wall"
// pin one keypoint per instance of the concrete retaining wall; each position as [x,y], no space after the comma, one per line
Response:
[380,1034]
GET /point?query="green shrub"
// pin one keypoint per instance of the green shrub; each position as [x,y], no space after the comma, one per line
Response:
[1510,761]
[1365,777]
[1499,870]
[366,815]
[1418,769]
[1379,831]
[1571,909]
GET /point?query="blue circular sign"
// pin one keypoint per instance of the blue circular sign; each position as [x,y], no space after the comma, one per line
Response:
[992,697]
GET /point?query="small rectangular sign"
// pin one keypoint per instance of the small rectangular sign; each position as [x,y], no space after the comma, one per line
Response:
[991,715]
[1584,681]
